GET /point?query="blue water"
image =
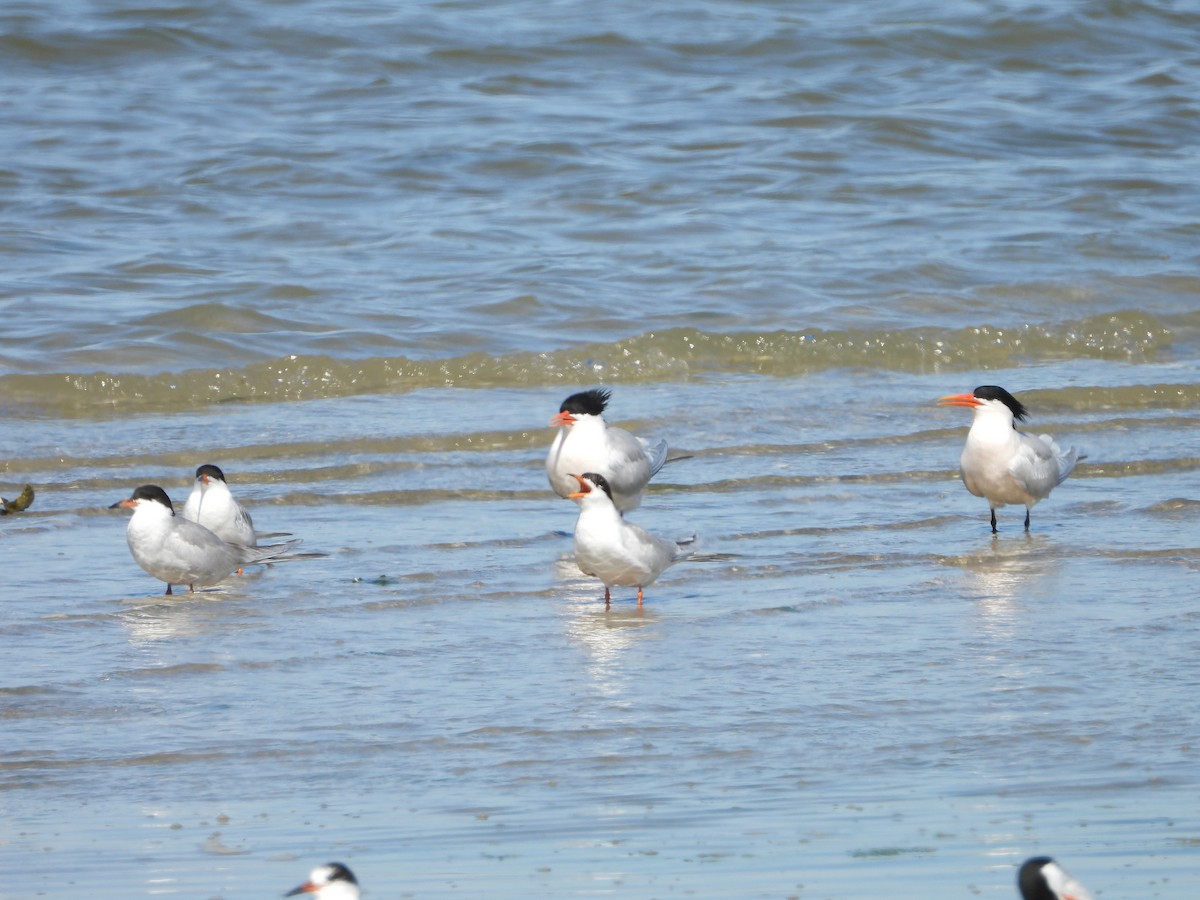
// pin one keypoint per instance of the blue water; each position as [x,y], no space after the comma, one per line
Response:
[357,254]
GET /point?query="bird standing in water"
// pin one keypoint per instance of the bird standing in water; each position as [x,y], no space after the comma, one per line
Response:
[1003,464]
[613,550]
[177,551]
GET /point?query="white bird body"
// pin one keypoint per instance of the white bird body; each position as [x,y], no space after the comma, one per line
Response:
[586,443]
[613,550]
[1041,878]
[177,551]
[212,505]
[331,882]
[1002,464]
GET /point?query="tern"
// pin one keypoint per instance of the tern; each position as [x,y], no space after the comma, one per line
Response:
[586,443]
[1041,878]
[1003,464]
[177,551]
[331,882]
[613,550]
[212,505]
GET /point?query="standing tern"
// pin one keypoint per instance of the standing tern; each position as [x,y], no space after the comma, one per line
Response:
[1041,878]
[177,551]
[331,882]
[1003,464]
[586,443]
[613,550]
[212,505]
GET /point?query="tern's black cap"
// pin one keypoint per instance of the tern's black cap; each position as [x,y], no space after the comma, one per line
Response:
[586,403]
[995,392]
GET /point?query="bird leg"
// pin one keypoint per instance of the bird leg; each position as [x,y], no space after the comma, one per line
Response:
[607,597]
[639,596]
[191,589]
[168,593]
[1027,518]
[993,521]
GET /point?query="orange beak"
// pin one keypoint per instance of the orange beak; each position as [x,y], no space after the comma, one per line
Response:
[127,503]
[563,419]
[969,400]
[583,491]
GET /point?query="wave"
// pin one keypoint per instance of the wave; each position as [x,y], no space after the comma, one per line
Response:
[669,355]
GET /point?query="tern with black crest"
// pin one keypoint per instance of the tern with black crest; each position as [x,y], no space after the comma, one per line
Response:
[1005,465]
[613,550]
[586,443]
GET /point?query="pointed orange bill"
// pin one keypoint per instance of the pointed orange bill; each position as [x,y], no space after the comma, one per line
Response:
[563,418]
[583,491]
[959,400]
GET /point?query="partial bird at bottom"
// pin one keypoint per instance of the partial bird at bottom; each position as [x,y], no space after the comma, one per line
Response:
[329,882]
[1041,878]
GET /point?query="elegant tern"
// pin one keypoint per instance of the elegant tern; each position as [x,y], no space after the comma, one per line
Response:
[613,550]
[1003,464]
[331,882]
[586,443]
[177,551]
[1041,878]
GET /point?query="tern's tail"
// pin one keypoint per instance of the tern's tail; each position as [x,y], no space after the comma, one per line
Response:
[273,553]
[685,548]
[1066,459]
[657,453]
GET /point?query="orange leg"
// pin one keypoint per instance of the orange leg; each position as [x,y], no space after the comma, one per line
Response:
[639,596]
[607,597]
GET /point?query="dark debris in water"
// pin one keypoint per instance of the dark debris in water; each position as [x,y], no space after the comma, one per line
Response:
[877,852]
[23,502]
[380,580]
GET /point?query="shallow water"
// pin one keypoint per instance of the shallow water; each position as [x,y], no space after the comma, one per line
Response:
[357,255]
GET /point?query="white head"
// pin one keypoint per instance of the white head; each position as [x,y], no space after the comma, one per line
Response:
[330,882]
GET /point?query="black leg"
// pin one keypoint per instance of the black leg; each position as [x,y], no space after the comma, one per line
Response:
[168,593]
[993,521]
[1027,518]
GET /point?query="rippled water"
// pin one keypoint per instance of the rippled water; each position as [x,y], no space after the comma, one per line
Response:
[356,254]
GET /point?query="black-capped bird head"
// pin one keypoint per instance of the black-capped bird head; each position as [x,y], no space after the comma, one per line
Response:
[329,882]
[207,473]
[591,402]
[144,495]
[985,396]
[589,482]
[1041,878]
